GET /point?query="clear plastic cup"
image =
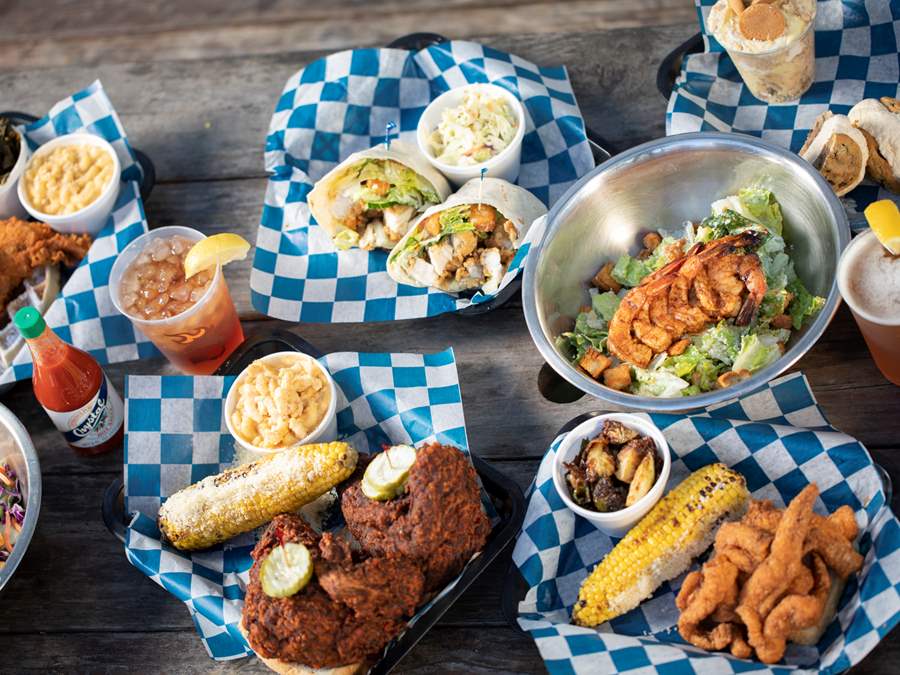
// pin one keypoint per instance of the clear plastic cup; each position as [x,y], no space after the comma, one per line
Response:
[868,279]
[780,74]
[199,339]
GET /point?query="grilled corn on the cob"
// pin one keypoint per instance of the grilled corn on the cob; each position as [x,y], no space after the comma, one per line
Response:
[245,497]
[661,546]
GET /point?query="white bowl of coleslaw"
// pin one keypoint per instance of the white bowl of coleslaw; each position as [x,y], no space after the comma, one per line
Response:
[474,127]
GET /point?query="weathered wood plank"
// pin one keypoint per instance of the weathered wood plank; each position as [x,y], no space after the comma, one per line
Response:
[106,32]
[206,120]
[476,649]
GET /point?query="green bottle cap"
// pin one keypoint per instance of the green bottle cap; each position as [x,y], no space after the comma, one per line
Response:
[29,322]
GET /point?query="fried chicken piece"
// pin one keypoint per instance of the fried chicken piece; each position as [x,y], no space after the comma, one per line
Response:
[773,576]
[717,588]
[25,246]
[753,541]
[830,536]
[438,521]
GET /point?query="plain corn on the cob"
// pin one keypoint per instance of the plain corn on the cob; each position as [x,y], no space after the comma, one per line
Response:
[662,545]
[245,497]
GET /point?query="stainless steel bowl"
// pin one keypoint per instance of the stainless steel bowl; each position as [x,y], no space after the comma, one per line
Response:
[659,185]
[25,462]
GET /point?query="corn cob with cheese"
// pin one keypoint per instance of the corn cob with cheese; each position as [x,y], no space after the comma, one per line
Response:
[245,497]
[662,545]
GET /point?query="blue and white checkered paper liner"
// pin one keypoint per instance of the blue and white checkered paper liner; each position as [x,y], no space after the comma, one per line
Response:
[339,105]
[778,438]
[176,435]
[83,313]
[856,58]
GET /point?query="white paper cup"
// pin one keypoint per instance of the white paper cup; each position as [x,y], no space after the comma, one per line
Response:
[91,219]
[504,165]
[614,523]
[325,432]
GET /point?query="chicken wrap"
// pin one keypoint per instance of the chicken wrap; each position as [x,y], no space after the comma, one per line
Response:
[468,241]
[371,198]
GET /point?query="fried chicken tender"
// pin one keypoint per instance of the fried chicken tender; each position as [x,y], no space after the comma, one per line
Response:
[769,579]
[717,587]
[25,246]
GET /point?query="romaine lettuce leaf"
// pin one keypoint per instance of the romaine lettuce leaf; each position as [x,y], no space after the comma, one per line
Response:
[587,333]
[762,207]
[725,222]
[684,363]
[605,304]
[705,374]
[720,342]
[758,350]
[660,383]
[406,186]
[804,304]
[629,271]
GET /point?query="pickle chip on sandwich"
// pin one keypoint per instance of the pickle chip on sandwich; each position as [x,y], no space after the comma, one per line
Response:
[370,199]
[468,242]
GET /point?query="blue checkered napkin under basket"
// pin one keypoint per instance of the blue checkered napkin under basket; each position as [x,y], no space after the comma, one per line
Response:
[339,105]
[176,435]
[856,58]
[778,438]
[83,313]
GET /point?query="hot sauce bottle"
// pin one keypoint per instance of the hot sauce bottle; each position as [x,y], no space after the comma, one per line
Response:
[68,382]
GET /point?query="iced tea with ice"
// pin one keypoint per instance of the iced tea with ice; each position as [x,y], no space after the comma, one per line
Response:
[192,321]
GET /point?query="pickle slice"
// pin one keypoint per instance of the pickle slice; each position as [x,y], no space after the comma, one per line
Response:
[286,570]
[386,475]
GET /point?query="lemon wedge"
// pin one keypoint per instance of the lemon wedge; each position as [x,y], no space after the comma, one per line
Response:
[219,249]
[884,219]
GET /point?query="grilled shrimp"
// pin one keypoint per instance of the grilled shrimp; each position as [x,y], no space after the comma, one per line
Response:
[620,342]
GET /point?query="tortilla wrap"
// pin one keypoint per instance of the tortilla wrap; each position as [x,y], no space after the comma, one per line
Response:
[403,153]
[515,203]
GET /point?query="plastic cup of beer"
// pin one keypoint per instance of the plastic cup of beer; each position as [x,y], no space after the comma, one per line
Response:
[191,321]
[869,281]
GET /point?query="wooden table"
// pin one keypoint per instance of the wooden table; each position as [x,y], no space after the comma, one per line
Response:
[76,603]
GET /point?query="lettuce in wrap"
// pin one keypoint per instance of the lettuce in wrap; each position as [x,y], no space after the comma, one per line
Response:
[371,199]
[468,241]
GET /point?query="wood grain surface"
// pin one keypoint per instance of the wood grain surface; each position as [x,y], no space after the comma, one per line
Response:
[75,604]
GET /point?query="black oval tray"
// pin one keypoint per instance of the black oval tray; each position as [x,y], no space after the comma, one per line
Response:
[148,171]
[505,495]
[515,587]
[419,41]
[671,65]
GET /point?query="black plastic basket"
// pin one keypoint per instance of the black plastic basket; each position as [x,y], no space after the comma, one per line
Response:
[505,495]
[515,587]
[671,65]
[418,41]
[148,178]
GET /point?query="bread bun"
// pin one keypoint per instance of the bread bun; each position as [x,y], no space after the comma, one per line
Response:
[288,668]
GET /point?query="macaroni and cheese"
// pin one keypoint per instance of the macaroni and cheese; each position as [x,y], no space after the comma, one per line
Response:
[279,404]
[68,178]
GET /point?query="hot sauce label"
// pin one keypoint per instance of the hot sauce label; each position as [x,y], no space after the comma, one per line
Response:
[95,422]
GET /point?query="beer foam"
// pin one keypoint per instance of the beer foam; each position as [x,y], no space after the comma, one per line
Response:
[870,280]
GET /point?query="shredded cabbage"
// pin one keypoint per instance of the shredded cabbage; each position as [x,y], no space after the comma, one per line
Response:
[480,127]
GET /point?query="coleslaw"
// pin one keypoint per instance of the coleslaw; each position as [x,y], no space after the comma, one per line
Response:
[479,128]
